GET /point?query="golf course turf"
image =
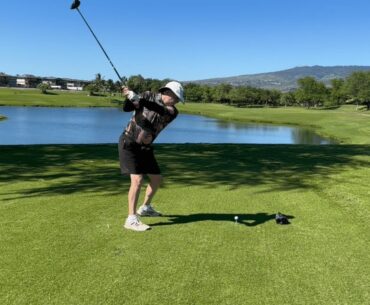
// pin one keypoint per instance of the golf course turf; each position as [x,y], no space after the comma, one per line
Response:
[54,98]
[62,208]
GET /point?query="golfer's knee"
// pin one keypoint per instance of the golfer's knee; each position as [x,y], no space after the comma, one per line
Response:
[137,181]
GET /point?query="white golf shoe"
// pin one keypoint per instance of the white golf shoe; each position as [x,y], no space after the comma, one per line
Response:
[134,223]
[148,210]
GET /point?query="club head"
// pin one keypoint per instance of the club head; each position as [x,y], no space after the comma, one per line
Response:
[75,4]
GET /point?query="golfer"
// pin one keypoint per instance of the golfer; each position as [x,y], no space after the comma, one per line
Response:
[152,113]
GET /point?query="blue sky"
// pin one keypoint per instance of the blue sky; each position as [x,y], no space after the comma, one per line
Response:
[182,40]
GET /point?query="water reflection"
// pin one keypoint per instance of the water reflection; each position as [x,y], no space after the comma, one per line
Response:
[38,125]
[305,136]
[298,135]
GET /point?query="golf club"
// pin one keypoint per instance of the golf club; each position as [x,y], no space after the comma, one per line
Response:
[75,5]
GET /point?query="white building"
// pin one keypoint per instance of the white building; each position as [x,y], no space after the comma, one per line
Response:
[51,84]
[21,82]
[72,86]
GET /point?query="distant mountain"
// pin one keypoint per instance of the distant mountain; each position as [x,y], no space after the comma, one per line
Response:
[285,80]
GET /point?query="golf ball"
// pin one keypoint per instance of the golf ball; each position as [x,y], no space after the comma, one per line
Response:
[236,218]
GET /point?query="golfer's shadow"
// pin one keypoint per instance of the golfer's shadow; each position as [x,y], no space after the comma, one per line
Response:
[249,220]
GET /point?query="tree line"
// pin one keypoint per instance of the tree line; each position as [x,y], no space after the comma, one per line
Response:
[355,89]
[136,83]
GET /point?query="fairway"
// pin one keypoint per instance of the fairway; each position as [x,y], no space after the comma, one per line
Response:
[62,209]
[55,98]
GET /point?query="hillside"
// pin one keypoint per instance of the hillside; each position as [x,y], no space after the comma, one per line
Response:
[286,80]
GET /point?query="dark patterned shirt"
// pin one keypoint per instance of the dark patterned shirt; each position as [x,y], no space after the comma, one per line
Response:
[150,117]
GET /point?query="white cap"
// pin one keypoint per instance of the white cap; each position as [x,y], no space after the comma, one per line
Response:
[176,88]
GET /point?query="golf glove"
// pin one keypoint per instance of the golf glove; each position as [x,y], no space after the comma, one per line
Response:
[132,96]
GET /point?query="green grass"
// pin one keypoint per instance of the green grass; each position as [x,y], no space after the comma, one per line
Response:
[62,242]
[55,98]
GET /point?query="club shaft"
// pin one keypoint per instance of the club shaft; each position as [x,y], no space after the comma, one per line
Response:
[97,40]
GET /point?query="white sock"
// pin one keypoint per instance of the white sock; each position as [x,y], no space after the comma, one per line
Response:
[131,218]
[146,207]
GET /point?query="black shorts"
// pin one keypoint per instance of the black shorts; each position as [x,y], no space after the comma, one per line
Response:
[136,159]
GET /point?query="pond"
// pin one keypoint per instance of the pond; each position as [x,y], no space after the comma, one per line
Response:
[44,125]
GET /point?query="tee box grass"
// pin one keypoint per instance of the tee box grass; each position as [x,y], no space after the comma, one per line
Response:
[62,242]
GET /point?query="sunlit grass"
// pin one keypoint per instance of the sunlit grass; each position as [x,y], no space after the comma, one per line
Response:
[55,98]
[62,209]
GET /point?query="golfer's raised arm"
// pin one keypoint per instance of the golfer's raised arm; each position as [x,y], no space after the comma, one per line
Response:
[132,101]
